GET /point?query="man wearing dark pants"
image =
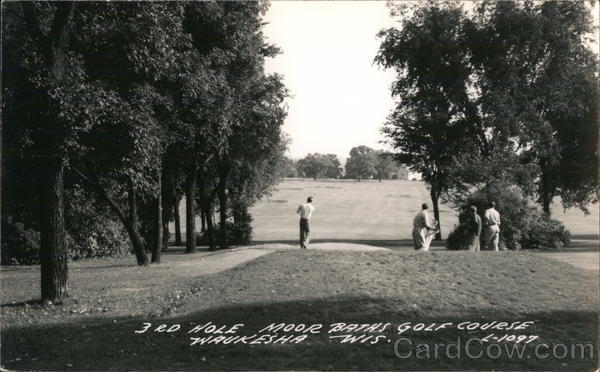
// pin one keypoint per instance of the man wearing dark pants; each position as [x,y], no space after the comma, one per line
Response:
[305,210]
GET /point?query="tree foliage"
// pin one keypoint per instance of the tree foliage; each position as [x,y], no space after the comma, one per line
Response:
[528,56]
[385,165]
[481,98]
[361,163]
[134,103]
[317,165]
[289,168]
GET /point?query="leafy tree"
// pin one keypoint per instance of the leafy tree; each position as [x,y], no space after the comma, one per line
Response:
[251,99]
[201,100]
[334,169]
[255,144]
[435,117]
[249,182]
[528,55]
[121,170]
[361,163]
[135,110]
[385,165]
[141,101]
[36,73]
[288,168]
[482,98]
[317,165]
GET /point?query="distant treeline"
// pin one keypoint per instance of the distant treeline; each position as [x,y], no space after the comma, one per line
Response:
[363,163]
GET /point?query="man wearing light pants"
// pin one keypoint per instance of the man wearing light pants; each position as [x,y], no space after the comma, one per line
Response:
[491,221]
[423,229]
[306,210]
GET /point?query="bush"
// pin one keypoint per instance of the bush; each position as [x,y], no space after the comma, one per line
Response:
[457,238]
[546,232]
[98,240]
[20,244]
[92,230]
[523,225]
[236,233]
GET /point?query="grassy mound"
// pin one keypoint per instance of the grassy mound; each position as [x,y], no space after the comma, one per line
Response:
[330,287]
[435,283]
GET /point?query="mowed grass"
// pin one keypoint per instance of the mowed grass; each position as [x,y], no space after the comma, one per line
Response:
[367,211]
[371,211]
[330,287]
[345,210]
[94,330]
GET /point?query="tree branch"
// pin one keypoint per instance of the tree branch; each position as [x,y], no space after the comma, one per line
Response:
[102,193]
[132,199]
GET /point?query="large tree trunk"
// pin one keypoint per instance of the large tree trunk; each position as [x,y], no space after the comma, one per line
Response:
[166,205]
[190,211]
[132,226]
[165,234]
[546,201]
[436,213]
[210,227]
[546,191]
[178,240]
[53,246]
[203,221]
[137,243]
[157,245]
[222,212]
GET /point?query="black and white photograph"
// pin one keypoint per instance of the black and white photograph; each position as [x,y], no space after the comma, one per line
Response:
[300,185]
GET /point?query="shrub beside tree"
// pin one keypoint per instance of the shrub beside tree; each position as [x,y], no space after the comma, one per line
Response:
[524,224]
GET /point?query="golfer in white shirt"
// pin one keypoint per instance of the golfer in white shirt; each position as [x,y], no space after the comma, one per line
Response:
[491,221]
[306,210]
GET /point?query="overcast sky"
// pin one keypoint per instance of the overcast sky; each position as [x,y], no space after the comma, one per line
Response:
[339,98]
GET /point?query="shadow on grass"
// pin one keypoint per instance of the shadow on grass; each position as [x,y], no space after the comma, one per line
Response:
[33,302]
[112,344]
[593,237]
[398,244]
[583,243]
[180,249]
